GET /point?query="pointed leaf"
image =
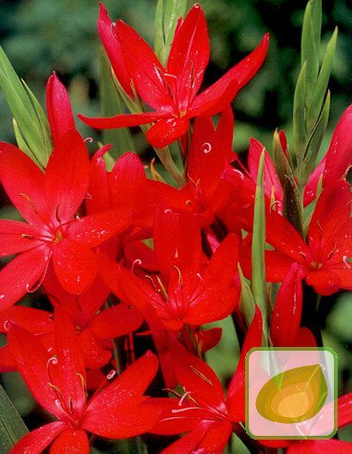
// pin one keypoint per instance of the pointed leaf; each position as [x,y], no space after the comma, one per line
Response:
[12,427]
[258,243]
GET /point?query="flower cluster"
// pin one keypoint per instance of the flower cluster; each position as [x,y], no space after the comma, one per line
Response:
[122,257]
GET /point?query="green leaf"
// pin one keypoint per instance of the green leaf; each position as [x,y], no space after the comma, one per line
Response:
[42,121]
[259,289]
[159,40]
[247,304]
[299,126]
[12,428]
[309,49]
[27,112]
[111,104]
[314,142]
[174,9]
[322,82]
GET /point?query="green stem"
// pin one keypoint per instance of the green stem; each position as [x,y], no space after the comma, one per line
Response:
[166,159]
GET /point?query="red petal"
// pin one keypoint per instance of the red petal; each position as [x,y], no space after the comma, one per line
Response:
[129,387]
[73,441]
[33,368]
[70,373]
[166,131]
[207,437]
[123,120]
[36,441]
[277,266]
[203,310]
[75,267]
[67,176]
[310,190]
[24,273]
[222,267]
[34,320]
[331,217]
[215,98]
[235,399]
[115,322]
[320,446]
[7,363]
[117,412]
[18,237]
[344,404]
[177,241]
[216,437]
[144,67]
[325,282]
[113,49]
[127,182]
[95,355]
[174,419]
[338,156]
[59,108]
[98,198]
[90,231]
[281,234]
[287,312]
[127,286]
[189,56]
[198,379]
[24,183]
[121,422]
[209,152]
[272,186]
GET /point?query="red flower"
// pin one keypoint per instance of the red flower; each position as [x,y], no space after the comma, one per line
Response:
[203,410]
[59,384]
[48,202]
[337,160]
[324,259]
[189,290]
[171,91]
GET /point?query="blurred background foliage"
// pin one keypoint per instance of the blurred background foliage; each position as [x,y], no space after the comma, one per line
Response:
[41,36]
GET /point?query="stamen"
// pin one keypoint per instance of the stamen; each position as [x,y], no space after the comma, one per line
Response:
[345,261]
[136,262]
[183,398]
[180,410]
[332,252]
[180,281]
[206,148]
[163,289]
[27,236]
[201,375]
[83,382]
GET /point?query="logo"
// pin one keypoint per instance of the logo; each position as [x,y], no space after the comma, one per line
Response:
[291,393]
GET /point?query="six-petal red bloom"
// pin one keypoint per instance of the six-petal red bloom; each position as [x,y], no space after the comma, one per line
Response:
[171,91]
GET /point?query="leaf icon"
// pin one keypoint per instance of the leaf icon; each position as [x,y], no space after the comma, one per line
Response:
[294,395]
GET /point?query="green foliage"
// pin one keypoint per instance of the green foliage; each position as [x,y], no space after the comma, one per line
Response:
[12,428]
